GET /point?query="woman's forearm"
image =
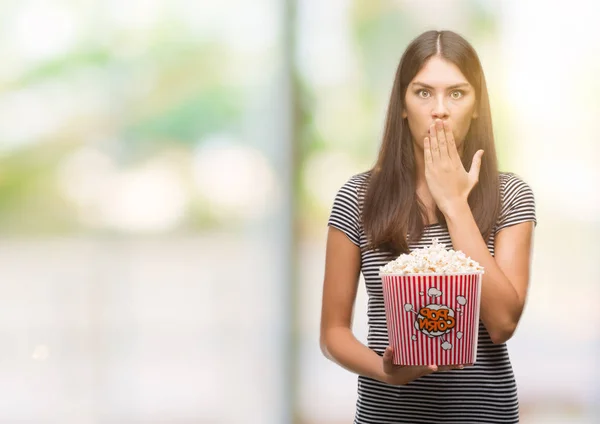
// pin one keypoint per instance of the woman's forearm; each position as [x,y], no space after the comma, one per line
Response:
[341,346]
[501,306]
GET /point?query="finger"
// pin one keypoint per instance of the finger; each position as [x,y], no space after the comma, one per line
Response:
[452,149]
[441,137]
[421,371]
[427,151]
[475,166]
[414,372]
[388,355]
[451,367]
[435,149]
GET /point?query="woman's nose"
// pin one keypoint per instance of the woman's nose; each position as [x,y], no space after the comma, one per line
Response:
[440,110]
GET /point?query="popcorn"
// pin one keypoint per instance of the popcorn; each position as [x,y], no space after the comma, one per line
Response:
[434,259]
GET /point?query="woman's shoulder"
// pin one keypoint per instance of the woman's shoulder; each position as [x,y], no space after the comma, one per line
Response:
[518,201]
[347,205]
[357,183]
[511,182]
[359,180]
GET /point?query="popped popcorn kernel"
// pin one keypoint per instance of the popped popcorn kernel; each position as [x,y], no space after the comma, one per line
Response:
[434,259]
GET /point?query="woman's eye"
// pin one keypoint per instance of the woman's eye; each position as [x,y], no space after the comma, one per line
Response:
[423,94]
[456,94]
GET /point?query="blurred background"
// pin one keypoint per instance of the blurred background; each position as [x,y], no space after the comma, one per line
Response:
[166,174]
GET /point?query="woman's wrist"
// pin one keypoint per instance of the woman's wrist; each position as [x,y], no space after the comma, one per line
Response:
[377,369]
[456,208]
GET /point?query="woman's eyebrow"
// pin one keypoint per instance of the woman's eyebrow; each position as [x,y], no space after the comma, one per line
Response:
[459,85]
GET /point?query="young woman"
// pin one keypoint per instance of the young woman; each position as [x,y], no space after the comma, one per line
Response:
[436,177]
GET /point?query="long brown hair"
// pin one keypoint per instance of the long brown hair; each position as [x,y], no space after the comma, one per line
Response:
[391,208]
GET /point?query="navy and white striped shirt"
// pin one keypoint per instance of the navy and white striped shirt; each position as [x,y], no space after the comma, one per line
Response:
[483,393]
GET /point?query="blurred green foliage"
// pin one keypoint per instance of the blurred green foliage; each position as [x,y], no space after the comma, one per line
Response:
[171,91]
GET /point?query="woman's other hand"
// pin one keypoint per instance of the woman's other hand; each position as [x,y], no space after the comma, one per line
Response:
[401,374]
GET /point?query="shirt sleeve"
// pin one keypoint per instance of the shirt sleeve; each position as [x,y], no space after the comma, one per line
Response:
[345,215]
[518,203]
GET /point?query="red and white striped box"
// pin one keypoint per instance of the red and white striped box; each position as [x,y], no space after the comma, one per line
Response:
[433,319]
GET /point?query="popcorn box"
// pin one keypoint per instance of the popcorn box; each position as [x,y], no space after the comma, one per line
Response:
[433,319]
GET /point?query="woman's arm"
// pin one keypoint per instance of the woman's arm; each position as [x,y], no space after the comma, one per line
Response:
[506,277]
[338,343]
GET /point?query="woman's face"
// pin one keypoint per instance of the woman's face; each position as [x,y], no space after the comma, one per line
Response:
[439,91]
